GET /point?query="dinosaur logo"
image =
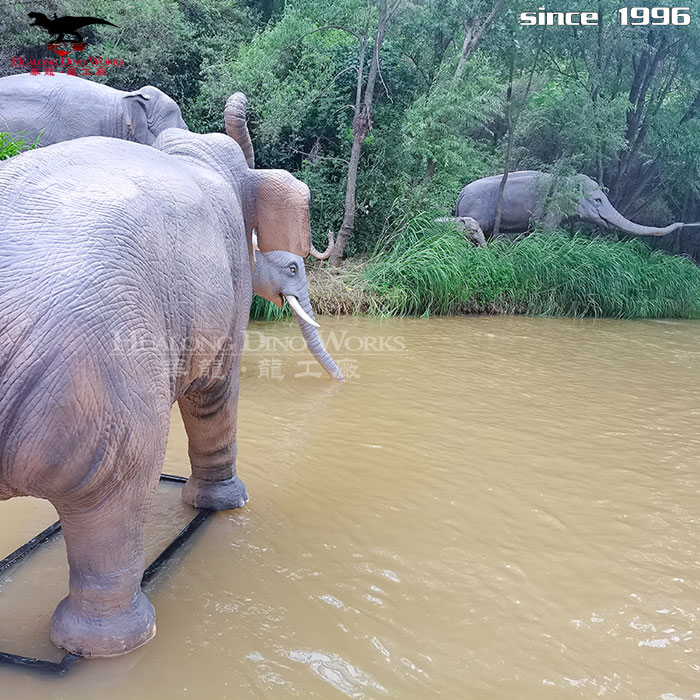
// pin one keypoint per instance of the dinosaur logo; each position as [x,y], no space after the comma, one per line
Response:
[58,27]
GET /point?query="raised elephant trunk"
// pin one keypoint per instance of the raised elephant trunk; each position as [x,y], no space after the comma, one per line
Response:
[613,218]
[313,339]
[327,252]
[237,127]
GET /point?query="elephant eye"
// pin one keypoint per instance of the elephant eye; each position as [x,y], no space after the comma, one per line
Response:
[293,269]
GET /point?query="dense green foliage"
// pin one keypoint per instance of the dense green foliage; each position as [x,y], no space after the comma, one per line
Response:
[621,104]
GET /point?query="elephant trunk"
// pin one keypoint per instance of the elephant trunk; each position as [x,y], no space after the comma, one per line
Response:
[327,252]
[311,336]
[616,220]
[236,126]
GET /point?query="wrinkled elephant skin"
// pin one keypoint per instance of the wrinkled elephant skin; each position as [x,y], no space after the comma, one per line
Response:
[62,107]
[126,286]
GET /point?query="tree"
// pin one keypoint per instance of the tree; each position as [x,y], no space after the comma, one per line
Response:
[361,124]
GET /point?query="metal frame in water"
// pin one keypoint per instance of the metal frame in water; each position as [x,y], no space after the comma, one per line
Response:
[68,661]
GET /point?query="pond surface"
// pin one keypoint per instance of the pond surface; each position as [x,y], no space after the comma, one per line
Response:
[487,508]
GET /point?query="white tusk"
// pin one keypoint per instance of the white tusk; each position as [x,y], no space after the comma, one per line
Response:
[296,306]
[255,240]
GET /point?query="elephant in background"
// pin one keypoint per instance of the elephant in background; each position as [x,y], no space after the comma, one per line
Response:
[525,193]
[469,227]
[105,240]
[61,107]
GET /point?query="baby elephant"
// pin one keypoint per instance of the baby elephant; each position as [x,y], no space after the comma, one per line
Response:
[62,107]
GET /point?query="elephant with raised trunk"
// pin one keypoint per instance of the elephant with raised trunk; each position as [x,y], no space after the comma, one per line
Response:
[523,197]
[56,108]
[100,240]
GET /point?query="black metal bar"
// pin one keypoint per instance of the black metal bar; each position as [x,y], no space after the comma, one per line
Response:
[173,477]
[29,547]
[185,533]
[67,662]
[58,667]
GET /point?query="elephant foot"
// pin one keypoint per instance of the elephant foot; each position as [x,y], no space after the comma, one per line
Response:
[215,495]
[107,635]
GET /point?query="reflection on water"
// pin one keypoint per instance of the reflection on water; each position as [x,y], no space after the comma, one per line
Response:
[488,508]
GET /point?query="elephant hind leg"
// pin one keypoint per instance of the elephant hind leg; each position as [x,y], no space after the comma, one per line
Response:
[210,421]
[105,612]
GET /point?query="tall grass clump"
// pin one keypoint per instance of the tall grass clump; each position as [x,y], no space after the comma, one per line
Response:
[429,268]
[11,147]
[420,270]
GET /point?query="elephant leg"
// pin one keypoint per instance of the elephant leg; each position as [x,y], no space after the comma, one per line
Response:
[210,418]
[105,613]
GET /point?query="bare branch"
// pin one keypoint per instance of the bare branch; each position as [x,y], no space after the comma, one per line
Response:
[471,41]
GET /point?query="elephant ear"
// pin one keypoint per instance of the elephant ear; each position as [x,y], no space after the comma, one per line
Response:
[136,109]
[281,212]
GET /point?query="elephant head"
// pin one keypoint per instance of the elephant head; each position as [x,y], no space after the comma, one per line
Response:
[469,227]
[281,235]
[149,111]
[280,275]
[596,208]
[276,214]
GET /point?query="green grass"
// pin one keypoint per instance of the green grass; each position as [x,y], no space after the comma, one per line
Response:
[11,147]
[427,268]
[430,269]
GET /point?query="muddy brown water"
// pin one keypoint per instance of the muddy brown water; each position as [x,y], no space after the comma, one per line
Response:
[488,508]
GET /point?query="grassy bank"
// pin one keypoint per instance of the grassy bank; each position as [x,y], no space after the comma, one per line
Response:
[429,268]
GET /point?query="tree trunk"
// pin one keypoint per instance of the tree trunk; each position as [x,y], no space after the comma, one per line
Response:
[646,67]
[509,148]
[472,38]
[361,124]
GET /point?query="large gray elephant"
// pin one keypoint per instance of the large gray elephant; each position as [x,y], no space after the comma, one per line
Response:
[55,108]
[523,195]
[64,107]
[125,287]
